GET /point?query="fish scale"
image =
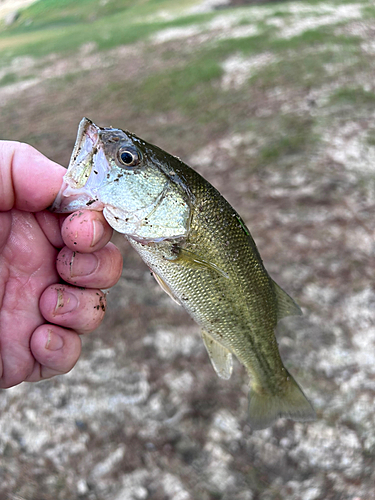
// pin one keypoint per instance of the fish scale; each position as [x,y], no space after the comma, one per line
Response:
[201,254]
[229,309]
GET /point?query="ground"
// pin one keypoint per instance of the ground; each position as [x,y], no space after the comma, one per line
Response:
[274,103]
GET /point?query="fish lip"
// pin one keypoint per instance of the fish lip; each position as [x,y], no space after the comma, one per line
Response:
[78,173]
[82,132]
[86,145]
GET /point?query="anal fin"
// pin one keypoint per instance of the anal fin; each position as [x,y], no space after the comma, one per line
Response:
[220,357]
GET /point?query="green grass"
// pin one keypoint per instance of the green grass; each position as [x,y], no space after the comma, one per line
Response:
[291,135]
[51,13]
[67,39]
[182,88]
[48,13]
[62,27]
[371,137]
[355,96]
[369,11]
[312,39]
[185,82]
[8,79]
[307,68]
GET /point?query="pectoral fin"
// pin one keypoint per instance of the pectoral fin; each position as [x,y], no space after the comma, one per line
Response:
[165,288]
[192,257]
[220,357]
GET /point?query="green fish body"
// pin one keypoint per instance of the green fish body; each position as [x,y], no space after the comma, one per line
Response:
[201,253]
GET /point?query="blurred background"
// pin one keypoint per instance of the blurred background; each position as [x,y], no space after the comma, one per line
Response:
[274,103]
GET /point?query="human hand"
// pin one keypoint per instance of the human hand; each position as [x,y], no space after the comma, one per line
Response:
[41,317]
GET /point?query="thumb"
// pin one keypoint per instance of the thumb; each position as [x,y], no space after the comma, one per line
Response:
[29,180]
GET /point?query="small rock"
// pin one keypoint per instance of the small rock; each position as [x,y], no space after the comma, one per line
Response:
[82,487]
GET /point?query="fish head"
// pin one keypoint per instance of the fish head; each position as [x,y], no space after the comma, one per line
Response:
[132,182]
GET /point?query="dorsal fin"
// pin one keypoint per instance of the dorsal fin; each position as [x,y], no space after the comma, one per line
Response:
[285,304]
[220,357]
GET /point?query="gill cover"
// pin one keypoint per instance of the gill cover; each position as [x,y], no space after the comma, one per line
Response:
[115,171]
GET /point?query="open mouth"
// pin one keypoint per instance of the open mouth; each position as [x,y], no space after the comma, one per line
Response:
[79,186]
[81,161]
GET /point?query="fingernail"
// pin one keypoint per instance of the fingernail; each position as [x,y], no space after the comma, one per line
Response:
[83,264]
[66,302]
[97,232]
[54,341]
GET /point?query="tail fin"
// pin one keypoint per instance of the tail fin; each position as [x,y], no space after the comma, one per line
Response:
[265,409]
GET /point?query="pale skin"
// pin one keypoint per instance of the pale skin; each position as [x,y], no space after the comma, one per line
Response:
[45,260]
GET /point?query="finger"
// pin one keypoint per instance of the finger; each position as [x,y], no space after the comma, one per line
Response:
[50,224]
[72,307]
[56,350]
[101,269]
[29,180]
[86,231]
[5,229]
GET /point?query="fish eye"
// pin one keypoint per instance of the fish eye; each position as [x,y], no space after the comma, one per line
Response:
[128,156]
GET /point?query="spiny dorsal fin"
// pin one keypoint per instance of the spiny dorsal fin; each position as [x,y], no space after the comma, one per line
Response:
[285,304]
[220,357]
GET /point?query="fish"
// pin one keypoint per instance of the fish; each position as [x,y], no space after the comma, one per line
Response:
[200,252]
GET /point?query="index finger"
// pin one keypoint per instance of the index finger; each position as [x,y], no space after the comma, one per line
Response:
[86,231]
[28,180]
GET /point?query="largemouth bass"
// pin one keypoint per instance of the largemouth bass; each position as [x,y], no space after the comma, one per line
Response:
[200,252]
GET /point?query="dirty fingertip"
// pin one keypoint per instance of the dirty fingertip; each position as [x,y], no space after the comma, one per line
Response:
[86,231]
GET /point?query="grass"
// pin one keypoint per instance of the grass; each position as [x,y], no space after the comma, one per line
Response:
[188,85]
[355,96]
[181,88]
[8,79]
[60,27]
[67,39]
[54,13]
[371,137]
[293,135]
[313,39]
[369,11]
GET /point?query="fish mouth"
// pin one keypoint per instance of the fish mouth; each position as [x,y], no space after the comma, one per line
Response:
[85,147]
[79,186]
